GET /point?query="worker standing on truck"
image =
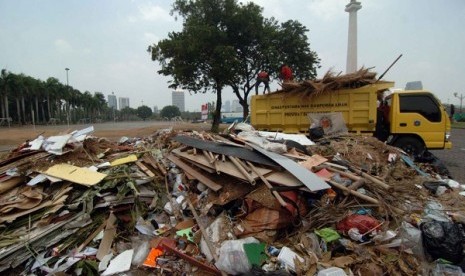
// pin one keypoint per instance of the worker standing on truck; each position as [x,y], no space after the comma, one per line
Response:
[452,112]
[264,77]
[382,118]
[285,73]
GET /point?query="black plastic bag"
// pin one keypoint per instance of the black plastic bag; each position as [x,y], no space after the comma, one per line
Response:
[316,133]
[443,239]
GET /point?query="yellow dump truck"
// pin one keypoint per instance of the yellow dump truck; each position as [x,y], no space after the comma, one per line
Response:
[415,121]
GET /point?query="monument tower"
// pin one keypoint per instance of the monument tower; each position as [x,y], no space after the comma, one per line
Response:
[352,9]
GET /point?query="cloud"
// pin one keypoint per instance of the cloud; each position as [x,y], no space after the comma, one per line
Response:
[151,38]
[273,8]
[150,12]
[63,46]
[327,9]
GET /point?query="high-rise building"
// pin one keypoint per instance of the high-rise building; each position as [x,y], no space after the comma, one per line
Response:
[227,106]
[123,102]
[178,99]
[414,85]
[155,109]
[235,106]
[112,101]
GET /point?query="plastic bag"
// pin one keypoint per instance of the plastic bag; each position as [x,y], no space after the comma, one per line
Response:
[411,238]
[233,259]
[443,240]
[363,223]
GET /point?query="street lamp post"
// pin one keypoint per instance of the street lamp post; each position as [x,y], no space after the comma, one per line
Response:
[67,88]
[461,97]
[114,107]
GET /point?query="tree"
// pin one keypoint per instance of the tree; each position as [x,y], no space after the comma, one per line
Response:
[197,57]
[226,43]
[144,112]
[127,113]
[170,111]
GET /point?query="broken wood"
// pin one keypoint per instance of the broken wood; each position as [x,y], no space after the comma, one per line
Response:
[361,196]
[199,176]
[354,186]
[203,230]
[242,170]
[145,169]
[91,237]
[275,193]
[371,178]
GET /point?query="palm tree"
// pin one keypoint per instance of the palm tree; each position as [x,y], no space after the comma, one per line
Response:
[52,93]
[5,79]
[18,87]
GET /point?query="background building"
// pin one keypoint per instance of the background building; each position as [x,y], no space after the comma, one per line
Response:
[123,102]
[414,85]
[155,109]
[226,106]
[178,99]
[112,101]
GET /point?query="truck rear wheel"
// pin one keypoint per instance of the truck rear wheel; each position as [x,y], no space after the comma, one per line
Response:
[411,145]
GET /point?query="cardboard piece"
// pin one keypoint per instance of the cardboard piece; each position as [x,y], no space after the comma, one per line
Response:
[108,236]
[313,161]
[75,174]
[124,160]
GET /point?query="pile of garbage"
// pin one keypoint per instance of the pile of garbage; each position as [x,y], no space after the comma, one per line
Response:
[243,202]
[332,82]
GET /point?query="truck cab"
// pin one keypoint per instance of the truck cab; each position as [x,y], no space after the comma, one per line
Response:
[417,121]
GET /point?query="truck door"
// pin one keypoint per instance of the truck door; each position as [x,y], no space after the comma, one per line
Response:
[419,114]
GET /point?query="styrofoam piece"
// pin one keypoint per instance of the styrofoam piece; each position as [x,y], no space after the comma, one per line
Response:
[120,263]
[332,271]
[287,256]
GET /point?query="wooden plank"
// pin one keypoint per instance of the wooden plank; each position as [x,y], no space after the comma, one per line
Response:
[313,161]
[224,167]
[284,178]
[222,148]
[200,177]
[242,170]
[154,163]
[145,169]
[309,179]
[275,193]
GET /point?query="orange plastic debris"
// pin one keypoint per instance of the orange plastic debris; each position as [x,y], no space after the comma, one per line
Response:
[151,260]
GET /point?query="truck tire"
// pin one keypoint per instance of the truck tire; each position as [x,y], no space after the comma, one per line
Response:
[411,145]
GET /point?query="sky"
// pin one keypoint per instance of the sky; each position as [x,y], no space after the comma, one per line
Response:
[104,43]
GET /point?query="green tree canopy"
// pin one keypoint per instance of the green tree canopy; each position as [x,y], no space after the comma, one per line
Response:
[144,112]
[170,111]
[224,43]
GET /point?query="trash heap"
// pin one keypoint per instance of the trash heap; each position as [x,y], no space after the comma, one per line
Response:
[184,202]
[331,82]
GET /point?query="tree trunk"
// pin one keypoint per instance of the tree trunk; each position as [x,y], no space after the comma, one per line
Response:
[44,118]
[48,107]
[23,108]
[37,110]
[245,108]
[217,114]
[7,112]
[2,106]
[18,110]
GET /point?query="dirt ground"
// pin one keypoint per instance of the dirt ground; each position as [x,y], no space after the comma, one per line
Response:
[14,136]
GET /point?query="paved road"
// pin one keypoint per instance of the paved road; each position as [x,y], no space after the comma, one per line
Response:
[454,159]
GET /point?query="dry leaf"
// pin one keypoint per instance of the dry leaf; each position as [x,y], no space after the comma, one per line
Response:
[343,261]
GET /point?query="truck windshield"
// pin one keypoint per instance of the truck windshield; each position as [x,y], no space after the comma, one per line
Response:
[422,104]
